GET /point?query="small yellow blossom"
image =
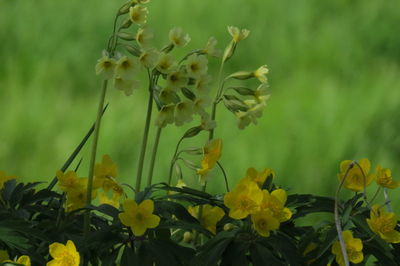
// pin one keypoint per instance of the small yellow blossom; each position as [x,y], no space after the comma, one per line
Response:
[245,199]
[250,116]
[275,201]
[176,80]
[212,153]
[178,37]
[196,65]
[4,178]
[384,224]
[264,222]
[165,116]
[76,198]
[125,85]
[23,260]
[165,63]
[260,74]
[105,170]
[138,14]
[211,215]
[259,177]
[64,255]
[70,181]
[356,178]
[143,36]
[126,68]
[139,217]
[210,49]
[104,199]
[384,178]
[105,67]
[354,248]
[149,58]
[238,34]
[183,112]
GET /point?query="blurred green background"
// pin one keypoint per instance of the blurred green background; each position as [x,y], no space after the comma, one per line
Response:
[334,76]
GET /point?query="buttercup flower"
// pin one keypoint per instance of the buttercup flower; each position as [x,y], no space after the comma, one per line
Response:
[138,14]
[165,116]
[237,34]
[126,68]
[165,63]
[259,177]
[260,74]
[106,169]
[144,36]
[196,65]
[245,199]
[176,80]
[183,112]
[23,260]
[384,178]
[356,177]
[168,95]
[64,255]
[139,217]
[354,248]
[149,58]
[70,181]
[125,85]
[4,178]
[212,153]
[383,224]
[211,215]
[264,222]
[210,49]
[275,202]
[178,37]
[104,199]
[105,67]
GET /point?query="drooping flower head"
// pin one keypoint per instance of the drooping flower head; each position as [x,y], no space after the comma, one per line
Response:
[261,73]
[138,14]
[354,248]
[149,58]
[259,177]
[176,79]
[165,116]
[237,34]
[196,65]
[384,178]
[143,36]
[264,222]
[64,255]
[165,63]
[178,37]
[125,85]
[210,48]
[105,67]
[126,68]
[183,112]
[212,153]
[357,177]
[384,224]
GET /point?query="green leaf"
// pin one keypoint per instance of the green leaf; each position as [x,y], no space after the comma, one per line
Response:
[126,36]
[129,257]
[243,91]
[261,256]
[188,94]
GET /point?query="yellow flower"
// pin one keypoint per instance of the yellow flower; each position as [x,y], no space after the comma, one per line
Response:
[143,36]
[196,65]
[106,170]
[70,181]
[176,80]
[138,14]
[384,178]
[259,177]
[139,217]
[264,222]
[237,34]
[250,116]
[178,37]
[211,154]
[354,248]
[183,112]
[125,85]
[76,198]
[260,74]
[210,49]
[105,67]
[4,178]
[23,260]
[165,63]
[165,116]
[202,84]
[383,224]
[275,201]
[245,199]
[211,215]
[199,105]
[356,177]
[126,68]
[104,199]
[149,58]
[64,255]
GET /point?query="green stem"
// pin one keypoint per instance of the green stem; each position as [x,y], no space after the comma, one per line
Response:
[218,95]
[145,138]
[153,156]
[93,156]
[171,167]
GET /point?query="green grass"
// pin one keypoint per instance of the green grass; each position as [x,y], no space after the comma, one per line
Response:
[334,81]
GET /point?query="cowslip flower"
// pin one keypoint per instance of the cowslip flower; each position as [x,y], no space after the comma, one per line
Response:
[200,103]
[165,116]
[202,84]
[105,67]
[165,63]
[178,37]
[149,58]
[212,153]
[384,178]
[249,116]
[64,255]
[168,95]
[126,68]
[176,80]
[356,178]
[259,177]
[139,217]
[383,224]
[4,178]
[245,199]
[354,248]
[264,222]
[260,74]
[23,260]
[196,65]
[210,48]
[138,14]
[143,36]
[183,112]
[211,215]
[125,85]
[237,34]
[275,201]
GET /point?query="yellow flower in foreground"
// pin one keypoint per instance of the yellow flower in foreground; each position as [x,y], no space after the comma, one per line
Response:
[275,201]
[354,248]
[139,217]
[64,255]
[178,37]
[384,178]
[259,177]
[23,260]
[264,222]
[70,181]
[260,74]
[356,177]
[4,178]
[383,224]
[104,199]
[105,67]
[212,153]
[105,170]
[245,199]
[238,34]
[138,14]
[211,215]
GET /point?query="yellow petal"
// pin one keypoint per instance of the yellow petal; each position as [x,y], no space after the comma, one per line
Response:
[392,237]
[57,250]
[280,194]
[146,206]
[356,257]
[24,260]
[139,229]
[130,206]
[152,221]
